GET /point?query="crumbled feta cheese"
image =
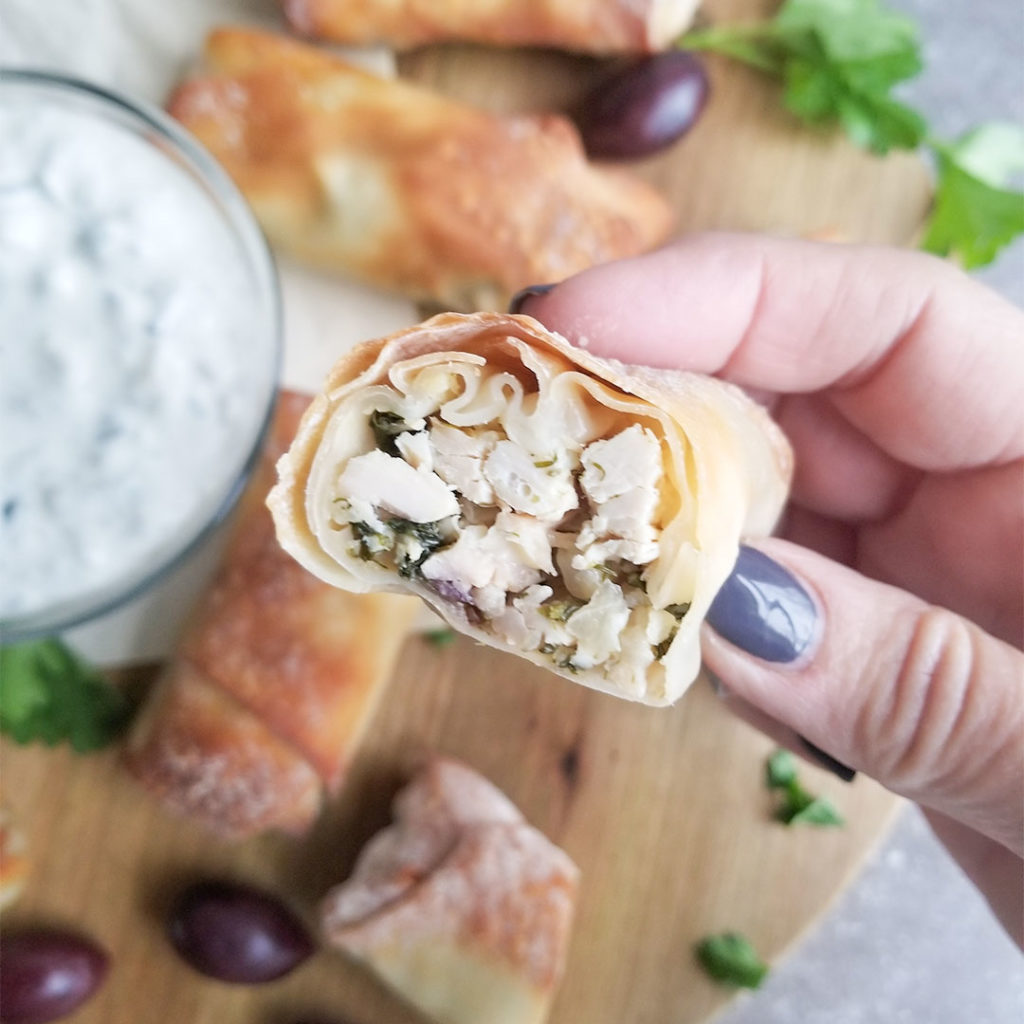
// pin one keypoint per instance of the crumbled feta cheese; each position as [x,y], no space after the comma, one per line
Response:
[597,626]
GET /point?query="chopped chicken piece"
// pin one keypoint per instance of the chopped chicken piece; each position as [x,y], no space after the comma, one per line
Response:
[458,459]
[398,488]
[526,484]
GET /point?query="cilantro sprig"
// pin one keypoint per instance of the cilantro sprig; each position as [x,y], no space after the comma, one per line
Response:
[732,959]
[797,806]
[49,694]
[839,62]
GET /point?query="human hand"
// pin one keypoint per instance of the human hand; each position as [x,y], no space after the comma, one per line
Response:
[886,627]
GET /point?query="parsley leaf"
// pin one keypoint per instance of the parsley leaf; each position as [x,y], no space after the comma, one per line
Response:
[797,806]
[732,959]
[974,215]
[49,694]
[440,637]
[838,60]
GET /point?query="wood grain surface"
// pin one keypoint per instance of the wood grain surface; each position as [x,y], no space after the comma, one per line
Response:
[665,811]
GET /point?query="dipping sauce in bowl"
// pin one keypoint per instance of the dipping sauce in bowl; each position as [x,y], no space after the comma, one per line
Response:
[139,348]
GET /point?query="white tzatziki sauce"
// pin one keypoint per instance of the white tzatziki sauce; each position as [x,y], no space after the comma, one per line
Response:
[134,377]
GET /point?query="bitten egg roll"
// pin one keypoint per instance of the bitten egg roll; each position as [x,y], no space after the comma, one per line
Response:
[574,511]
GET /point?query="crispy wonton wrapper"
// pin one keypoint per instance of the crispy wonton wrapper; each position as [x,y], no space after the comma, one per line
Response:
[592,26]
[461,906]
[403,188]
[574,511]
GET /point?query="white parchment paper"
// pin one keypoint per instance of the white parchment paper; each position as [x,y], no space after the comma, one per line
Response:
[142,48]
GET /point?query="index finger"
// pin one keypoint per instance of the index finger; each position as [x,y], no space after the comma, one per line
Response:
[923,360]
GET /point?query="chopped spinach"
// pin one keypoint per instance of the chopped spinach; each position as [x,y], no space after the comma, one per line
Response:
[387,426]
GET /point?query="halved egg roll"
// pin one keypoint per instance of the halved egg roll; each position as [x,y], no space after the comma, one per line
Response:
[591,26]
[403,188]
[572,510]
[260,711]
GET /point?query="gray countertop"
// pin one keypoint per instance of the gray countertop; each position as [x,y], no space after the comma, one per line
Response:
[912,942]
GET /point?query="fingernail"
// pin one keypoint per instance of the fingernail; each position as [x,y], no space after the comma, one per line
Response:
[520,297]
[763,610]
[826,760]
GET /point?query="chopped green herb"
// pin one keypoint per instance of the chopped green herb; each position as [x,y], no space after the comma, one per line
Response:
[442,637]
[371,542]
[974,214]
[386,426]
[49,694]
[838,62]
[780,769]
[730,958]
[560,611]
[797,805]
[560,654]
[427,535]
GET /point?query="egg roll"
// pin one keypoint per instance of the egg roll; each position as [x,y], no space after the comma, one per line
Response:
[405,189]
[572,510]
[262,706]
[591,26]
[461,906]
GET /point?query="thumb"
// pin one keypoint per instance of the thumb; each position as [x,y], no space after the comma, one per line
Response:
[919,698]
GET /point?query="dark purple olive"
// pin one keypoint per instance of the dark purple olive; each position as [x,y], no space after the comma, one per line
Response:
[46,974]
[643,108]
[237,933]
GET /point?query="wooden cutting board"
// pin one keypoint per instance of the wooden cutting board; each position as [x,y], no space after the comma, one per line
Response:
[665,811]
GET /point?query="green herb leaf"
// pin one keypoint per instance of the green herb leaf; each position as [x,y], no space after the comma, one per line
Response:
[817,811]
[386,426]
[732,959]
[441,637]
[50,695]
[780,769]
[797,806]
[974,215]
[838,61]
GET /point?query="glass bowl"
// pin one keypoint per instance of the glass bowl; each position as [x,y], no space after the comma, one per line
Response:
[140,349]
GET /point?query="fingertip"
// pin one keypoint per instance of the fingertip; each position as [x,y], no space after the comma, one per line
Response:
[523,297]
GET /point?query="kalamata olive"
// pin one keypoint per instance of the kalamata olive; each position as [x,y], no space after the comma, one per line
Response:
[237,933]
[46,974]
[643,108]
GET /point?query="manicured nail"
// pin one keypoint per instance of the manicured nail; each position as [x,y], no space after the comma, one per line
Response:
[763,610]
[826,760]
[529,292]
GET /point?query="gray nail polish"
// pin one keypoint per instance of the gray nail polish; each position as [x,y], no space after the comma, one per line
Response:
[763,610]
[520,297]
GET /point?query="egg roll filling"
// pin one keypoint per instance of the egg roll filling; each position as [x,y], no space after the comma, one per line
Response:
[531,501]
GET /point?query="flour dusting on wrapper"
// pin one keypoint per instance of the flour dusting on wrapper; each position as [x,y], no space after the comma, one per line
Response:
[572,510]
